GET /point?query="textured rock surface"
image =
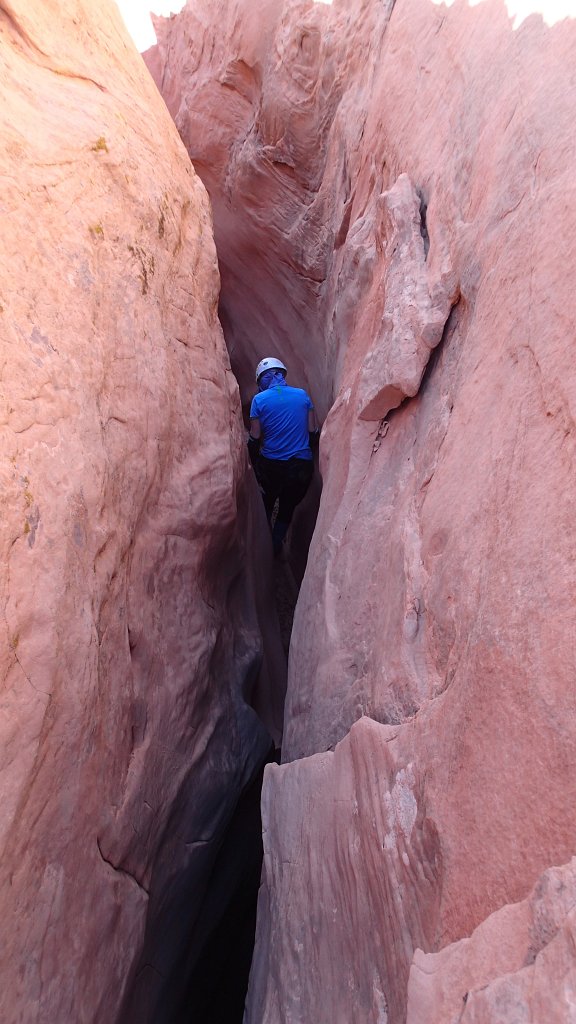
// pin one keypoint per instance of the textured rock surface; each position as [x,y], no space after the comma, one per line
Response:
[364,869]
[440,590]
[517,966]
[348,895]
[241,81]
[131,650]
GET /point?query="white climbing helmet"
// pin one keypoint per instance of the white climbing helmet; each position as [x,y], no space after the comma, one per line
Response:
[269,364]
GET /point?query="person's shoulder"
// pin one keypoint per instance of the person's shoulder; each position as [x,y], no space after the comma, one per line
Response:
[302,395]
[255,403]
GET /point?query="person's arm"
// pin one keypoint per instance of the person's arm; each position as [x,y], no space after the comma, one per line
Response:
[254,440]
[313,429]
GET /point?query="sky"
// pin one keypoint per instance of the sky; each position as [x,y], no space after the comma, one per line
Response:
[137,18]
[551,11]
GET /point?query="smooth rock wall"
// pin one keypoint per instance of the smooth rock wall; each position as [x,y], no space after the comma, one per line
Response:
[393,191]
[131,649]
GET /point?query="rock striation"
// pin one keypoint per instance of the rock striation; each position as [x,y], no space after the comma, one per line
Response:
[393,205]
[131,659]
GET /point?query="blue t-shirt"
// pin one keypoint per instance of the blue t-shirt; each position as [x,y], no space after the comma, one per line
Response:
[283,415]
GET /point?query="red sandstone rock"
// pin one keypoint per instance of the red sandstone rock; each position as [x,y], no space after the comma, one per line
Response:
[362,874]
[404,313]
[517,965]
[351,866]
[441,581]
[131,644]
[241,81]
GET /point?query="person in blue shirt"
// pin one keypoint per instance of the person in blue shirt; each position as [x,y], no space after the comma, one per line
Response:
[282,423]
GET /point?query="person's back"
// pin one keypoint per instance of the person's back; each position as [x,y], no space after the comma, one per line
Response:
[281,419]
[283,414]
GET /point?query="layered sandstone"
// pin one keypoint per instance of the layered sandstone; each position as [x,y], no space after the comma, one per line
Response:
[393,199]
[131,655]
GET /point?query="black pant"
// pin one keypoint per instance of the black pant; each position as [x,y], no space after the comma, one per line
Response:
[288,480]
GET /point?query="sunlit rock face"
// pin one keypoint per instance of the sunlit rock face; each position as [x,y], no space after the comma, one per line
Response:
[131,650]
[394,204]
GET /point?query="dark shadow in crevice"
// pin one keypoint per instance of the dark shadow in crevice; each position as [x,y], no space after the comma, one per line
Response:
[290,567]
[424,223]
[222,944]
[449,329]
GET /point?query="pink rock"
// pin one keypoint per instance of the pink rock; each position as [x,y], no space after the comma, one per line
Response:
[441,581]
[350,887]
[404,316]
[362,874]
[241,83]
[517,965]
[131,642]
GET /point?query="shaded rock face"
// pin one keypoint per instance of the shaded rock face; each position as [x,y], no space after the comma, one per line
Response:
[262,157]
[393,200]
[132,655]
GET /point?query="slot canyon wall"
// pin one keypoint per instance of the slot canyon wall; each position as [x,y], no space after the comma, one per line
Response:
[393,194]
[137,707]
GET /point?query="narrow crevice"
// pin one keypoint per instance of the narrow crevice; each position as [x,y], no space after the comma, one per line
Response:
[286,591]
[290,567]
[208,980]
[424,224]
[449,328]
[120,870]
[219,981]
[199,943]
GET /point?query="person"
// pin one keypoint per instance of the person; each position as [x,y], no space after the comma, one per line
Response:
[282,425]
